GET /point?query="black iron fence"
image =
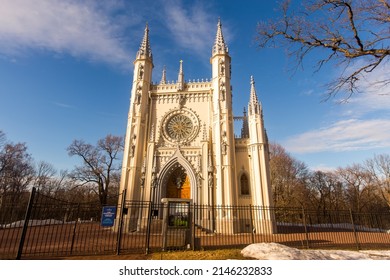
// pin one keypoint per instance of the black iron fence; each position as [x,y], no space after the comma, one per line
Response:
[44,227]
[300,228]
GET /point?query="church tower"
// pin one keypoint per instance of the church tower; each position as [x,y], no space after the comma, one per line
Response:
[258,151]
[181,143]
[222,123]
[137,123]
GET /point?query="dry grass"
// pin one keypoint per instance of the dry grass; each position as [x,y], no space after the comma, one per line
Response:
[222,254]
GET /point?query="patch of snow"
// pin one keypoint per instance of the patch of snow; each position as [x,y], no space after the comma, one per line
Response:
[42,223]
[336,226]
[33,223]
[276,251]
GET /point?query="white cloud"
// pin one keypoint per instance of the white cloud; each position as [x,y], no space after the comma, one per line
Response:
[323,167]
[79,28]
[344,135]
[360,123]
[373,94]
[63,105]
[193,27]
[99,30]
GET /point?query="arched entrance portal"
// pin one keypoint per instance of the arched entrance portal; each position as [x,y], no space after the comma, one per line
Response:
[177,179]
[178,184]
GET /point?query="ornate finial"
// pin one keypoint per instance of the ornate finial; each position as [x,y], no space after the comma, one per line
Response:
[253,96]
[154,162]
[181,66]
[245,126]
[180,79]
[219,45]
[198,167]
[204,138]
[164,76]
[210,163]
[144,49]
[254,105]
[151,139]
[143,169]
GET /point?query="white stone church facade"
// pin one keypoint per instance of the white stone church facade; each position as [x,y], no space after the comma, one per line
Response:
[180,140]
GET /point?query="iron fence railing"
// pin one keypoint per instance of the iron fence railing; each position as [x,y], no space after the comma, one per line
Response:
[46,227]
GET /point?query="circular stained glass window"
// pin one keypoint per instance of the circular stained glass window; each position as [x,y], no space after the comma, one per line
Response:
[179,127]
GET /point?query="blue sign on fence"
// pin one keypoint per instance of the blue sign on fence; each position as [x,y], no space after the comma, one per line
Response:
[108,216]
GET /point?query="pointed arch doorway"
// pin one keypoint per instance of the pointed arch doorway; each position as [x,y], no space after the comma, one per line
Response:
[177,179]
[178,184]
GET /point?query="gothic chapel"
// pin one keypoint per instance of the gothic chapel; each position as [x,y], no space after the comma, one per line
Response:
[180,140]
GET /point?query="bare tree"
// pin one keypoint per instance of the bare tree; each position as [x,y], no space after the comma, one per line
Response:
[361,192]
[288,177]
[16,171]
[49,181]
[99,164]
[2,139]
[16,174]
[345,31]
[379,169]
[44,174]
[325,191]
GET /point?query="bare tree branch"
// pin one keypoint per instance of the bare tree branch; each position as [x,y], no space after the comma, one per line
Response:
[345,30]
[98,163]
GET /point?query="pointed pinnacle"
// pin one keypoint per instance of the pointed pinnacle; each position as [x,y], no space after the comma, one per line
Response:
[144,48]
[219,44]
[254,106]
[253,97]
[180,78]
[164,76]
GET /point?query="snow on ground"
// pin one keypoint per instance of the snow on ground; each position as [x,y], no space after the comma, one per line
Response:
[46,222]
[275,251]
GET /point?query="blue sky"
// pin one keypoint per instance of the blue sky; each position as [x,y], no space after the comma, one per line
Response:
[66,70]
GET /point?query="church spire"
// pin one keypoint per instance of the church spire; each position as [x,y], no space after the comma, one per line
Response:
[180,78]
[219,44]
[144,49]
[164,76]
[254,106]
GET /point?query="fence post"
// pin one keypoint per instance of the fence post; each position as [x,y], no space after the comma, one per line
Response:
[148,227]
[305,226]
[354,230]
[119,236]
[193,226]
[74,228]
[251,219]
[25,225]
